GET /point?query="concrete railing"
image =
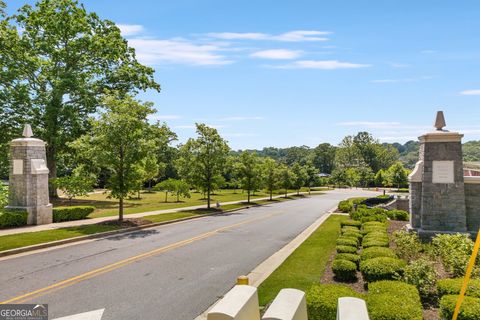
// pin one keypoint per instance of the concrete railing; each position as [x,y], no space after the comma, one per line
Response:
[290,304]
[352,309]
[241,303]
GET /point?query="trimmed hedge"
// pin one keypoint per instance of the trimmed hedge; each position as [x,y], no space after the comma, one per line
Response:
[350,229]
[399,215]
[13,218]
[322,300]
[345,206]
[355,235]
[369,214]
[375,243]
[344,270]
[453,286]
[355,258]
[381,268]
[346,249]
[470,309]
[347,242]
[351,223]
[393,300]
[376,252]
[71,213]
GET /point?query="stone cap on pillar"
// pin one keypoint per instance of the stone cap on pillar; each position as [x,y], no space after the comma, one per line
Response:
[440,134]
[27,139]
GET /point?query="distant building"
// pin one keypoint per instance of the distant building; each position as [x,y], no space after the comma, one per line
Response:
[471,169]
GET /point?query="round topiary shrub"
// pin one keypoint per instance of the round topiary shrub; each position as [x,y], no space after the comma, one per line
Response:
[351,223]
[376,252]
[347,242]
[376,236]
[355,258]
[381,268]
[346,249]
[375,243]
[453,286]
[389,307]
[345,206]
[470,309]
[344,270]
[322,300]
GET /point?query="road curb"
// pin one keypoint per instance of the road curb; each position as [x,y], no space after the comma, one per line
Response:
[269,265]
[109,233]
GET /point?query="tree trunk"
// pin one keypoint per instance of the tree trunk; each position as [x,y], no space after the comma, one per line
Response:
[298,192]
[286,193]
[208,198]
[309,190]
[51,137]
[248,196]
[178,197]
[166,197]
[271,194]
[120,209]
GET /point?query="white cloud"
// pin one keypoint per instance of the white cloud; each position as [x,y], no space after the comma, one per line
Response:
[322,64]
[397,139]
[474,92]
[177,51]
[277,54]
[241,118]
[130,29]
[291,36]
[302,35]
[369,124]
[188,126]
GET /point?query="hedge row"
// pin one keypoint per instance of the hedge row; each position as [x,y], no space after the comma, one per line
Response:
[71,213]
[386,300]
[13,218]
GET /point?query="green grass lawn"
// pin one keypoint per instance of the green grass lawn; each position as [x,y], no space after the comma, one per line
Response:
[30,238]
[306,264]
[105,207]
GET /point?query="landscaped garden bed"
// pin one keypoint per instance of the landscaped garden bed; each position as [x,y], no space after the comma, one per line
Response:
[374,258]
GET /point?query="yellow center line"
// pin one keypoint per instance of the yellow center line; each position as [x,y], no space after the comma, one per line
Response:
[108,268]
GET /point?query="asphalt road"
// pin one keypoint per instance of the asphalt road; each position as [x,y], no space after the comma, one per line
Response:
[171,272]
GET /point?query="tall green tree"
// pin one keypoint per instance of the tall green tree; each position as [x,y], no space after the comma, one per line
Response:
[300,177]
[287,178]
[167,186]
[117,143]
[397,175]
[57,69]
[271,175]
[249,172]
[201,161]
[311,176]
[324,157]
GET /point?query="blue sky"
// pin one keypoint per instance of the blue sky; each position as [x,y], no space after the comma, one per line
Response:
[284,73]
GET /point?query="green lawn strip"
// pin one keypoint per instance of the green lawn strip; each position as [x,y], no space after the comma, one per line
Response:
[306,265]
[30,238]
[152,201]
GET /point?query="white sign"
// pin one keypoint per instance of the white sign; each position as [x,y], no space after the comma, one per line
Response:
[17,166]
[443,172]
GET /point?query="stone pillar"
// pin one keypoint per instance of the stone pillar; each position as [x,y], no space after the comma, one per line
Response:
[28,185]
[437,189]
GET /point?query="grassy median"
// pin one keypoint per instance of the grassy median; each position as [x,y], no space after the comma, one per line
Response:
[306,265]
[31,238]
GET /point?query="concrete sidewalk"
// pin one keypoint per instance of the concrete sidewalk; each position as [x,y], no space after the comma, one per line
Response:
[77,223]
